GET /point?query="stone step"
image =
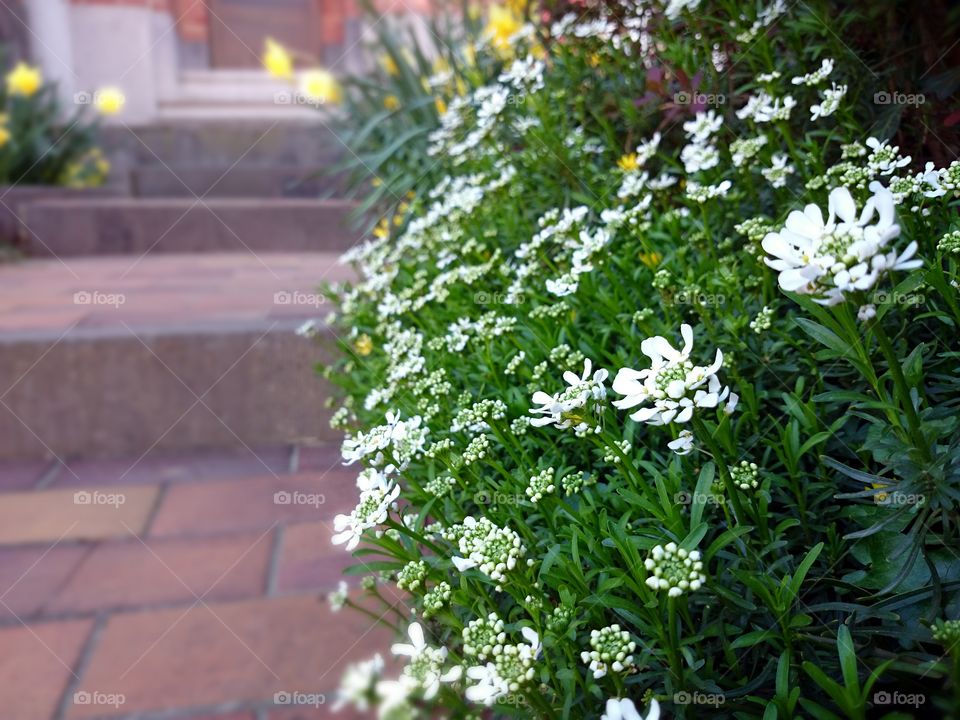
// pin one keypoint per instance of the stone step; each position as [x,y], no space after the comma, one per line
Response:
[113,356]
[304,143]
[134,226]
[240,181]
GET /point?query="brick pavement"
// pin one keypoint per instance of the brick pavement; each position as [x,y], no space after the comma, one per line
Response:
[187,586]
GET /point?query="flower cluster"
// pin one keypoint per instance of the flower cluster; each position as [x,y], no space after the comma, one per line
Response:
[674,569]
[843,254]
[673,387]
[611,650]
[493,550]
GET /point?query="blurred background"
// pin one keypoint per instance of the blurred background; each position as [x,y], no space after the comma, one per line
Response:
[167,470]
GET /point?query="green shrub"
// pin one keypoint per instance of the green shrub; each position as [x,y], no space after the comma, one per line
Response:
[654,387]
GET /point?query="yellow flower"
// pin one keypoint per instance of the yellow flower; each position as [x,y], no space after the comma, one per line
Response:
[4,135]
[24,80]
[502,24]
[650,259]
[389,65]
[391,102]
[109,100]
[594,59]
[277,60]
[320,86]
[382,229]
[628,162]
[363,345]
[441,105]
[518,7]
[376,182]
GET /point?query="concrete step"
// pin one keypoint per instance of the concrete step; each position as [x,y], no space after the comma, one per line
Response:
[134,226]
[116,356]
[305,142]
[240,181]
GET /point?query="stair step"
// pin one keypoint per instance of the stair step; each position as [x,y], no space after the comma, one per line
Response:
[239,181]
[306,143]
[110,226]
[116,356]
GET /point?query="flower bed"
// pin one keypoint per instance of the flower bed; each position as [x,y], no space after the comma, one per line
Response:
[651,381]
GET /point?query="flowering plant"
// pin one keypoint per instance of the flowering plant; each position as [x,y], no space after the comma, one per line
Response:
[762,520]
[39,143]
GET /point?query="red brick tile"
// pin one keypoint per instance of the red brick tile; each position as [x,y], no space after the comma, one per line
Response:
[249,504]
[321,457]
[132,574]
[50,515]
[321,713]
[36,666]
[309,561]
[161,466]
[30,577]
[227,652]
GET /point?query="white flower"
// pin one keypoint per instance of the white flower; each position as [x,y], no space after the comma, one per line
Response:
[646,150]
[683,444]
[843,254]
[511,669]
[673,386]
[561,409]
[817,76]
[830,102]
[885,158]
[338,597]
[358,682]
[703,126]
[697,157]
[425,668]
[369,512]
[624,709]
[867,312]
[778,172]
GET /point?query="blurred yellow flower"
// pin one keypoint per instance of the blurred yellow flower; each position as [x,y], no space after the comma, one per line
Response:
[470,55]
[650,259]
[320,86]
[109,100]
[376,182]
[628,162]
[389,65]
[4,135]
[363,345]
[502,24]
[382,229]
[441,105]
[24,80]
[594,59]
[518,7]
[277,60]
[391,102]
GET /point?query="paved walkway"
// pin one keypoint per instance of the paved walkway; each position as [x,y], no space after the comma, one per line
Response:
[188,586]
